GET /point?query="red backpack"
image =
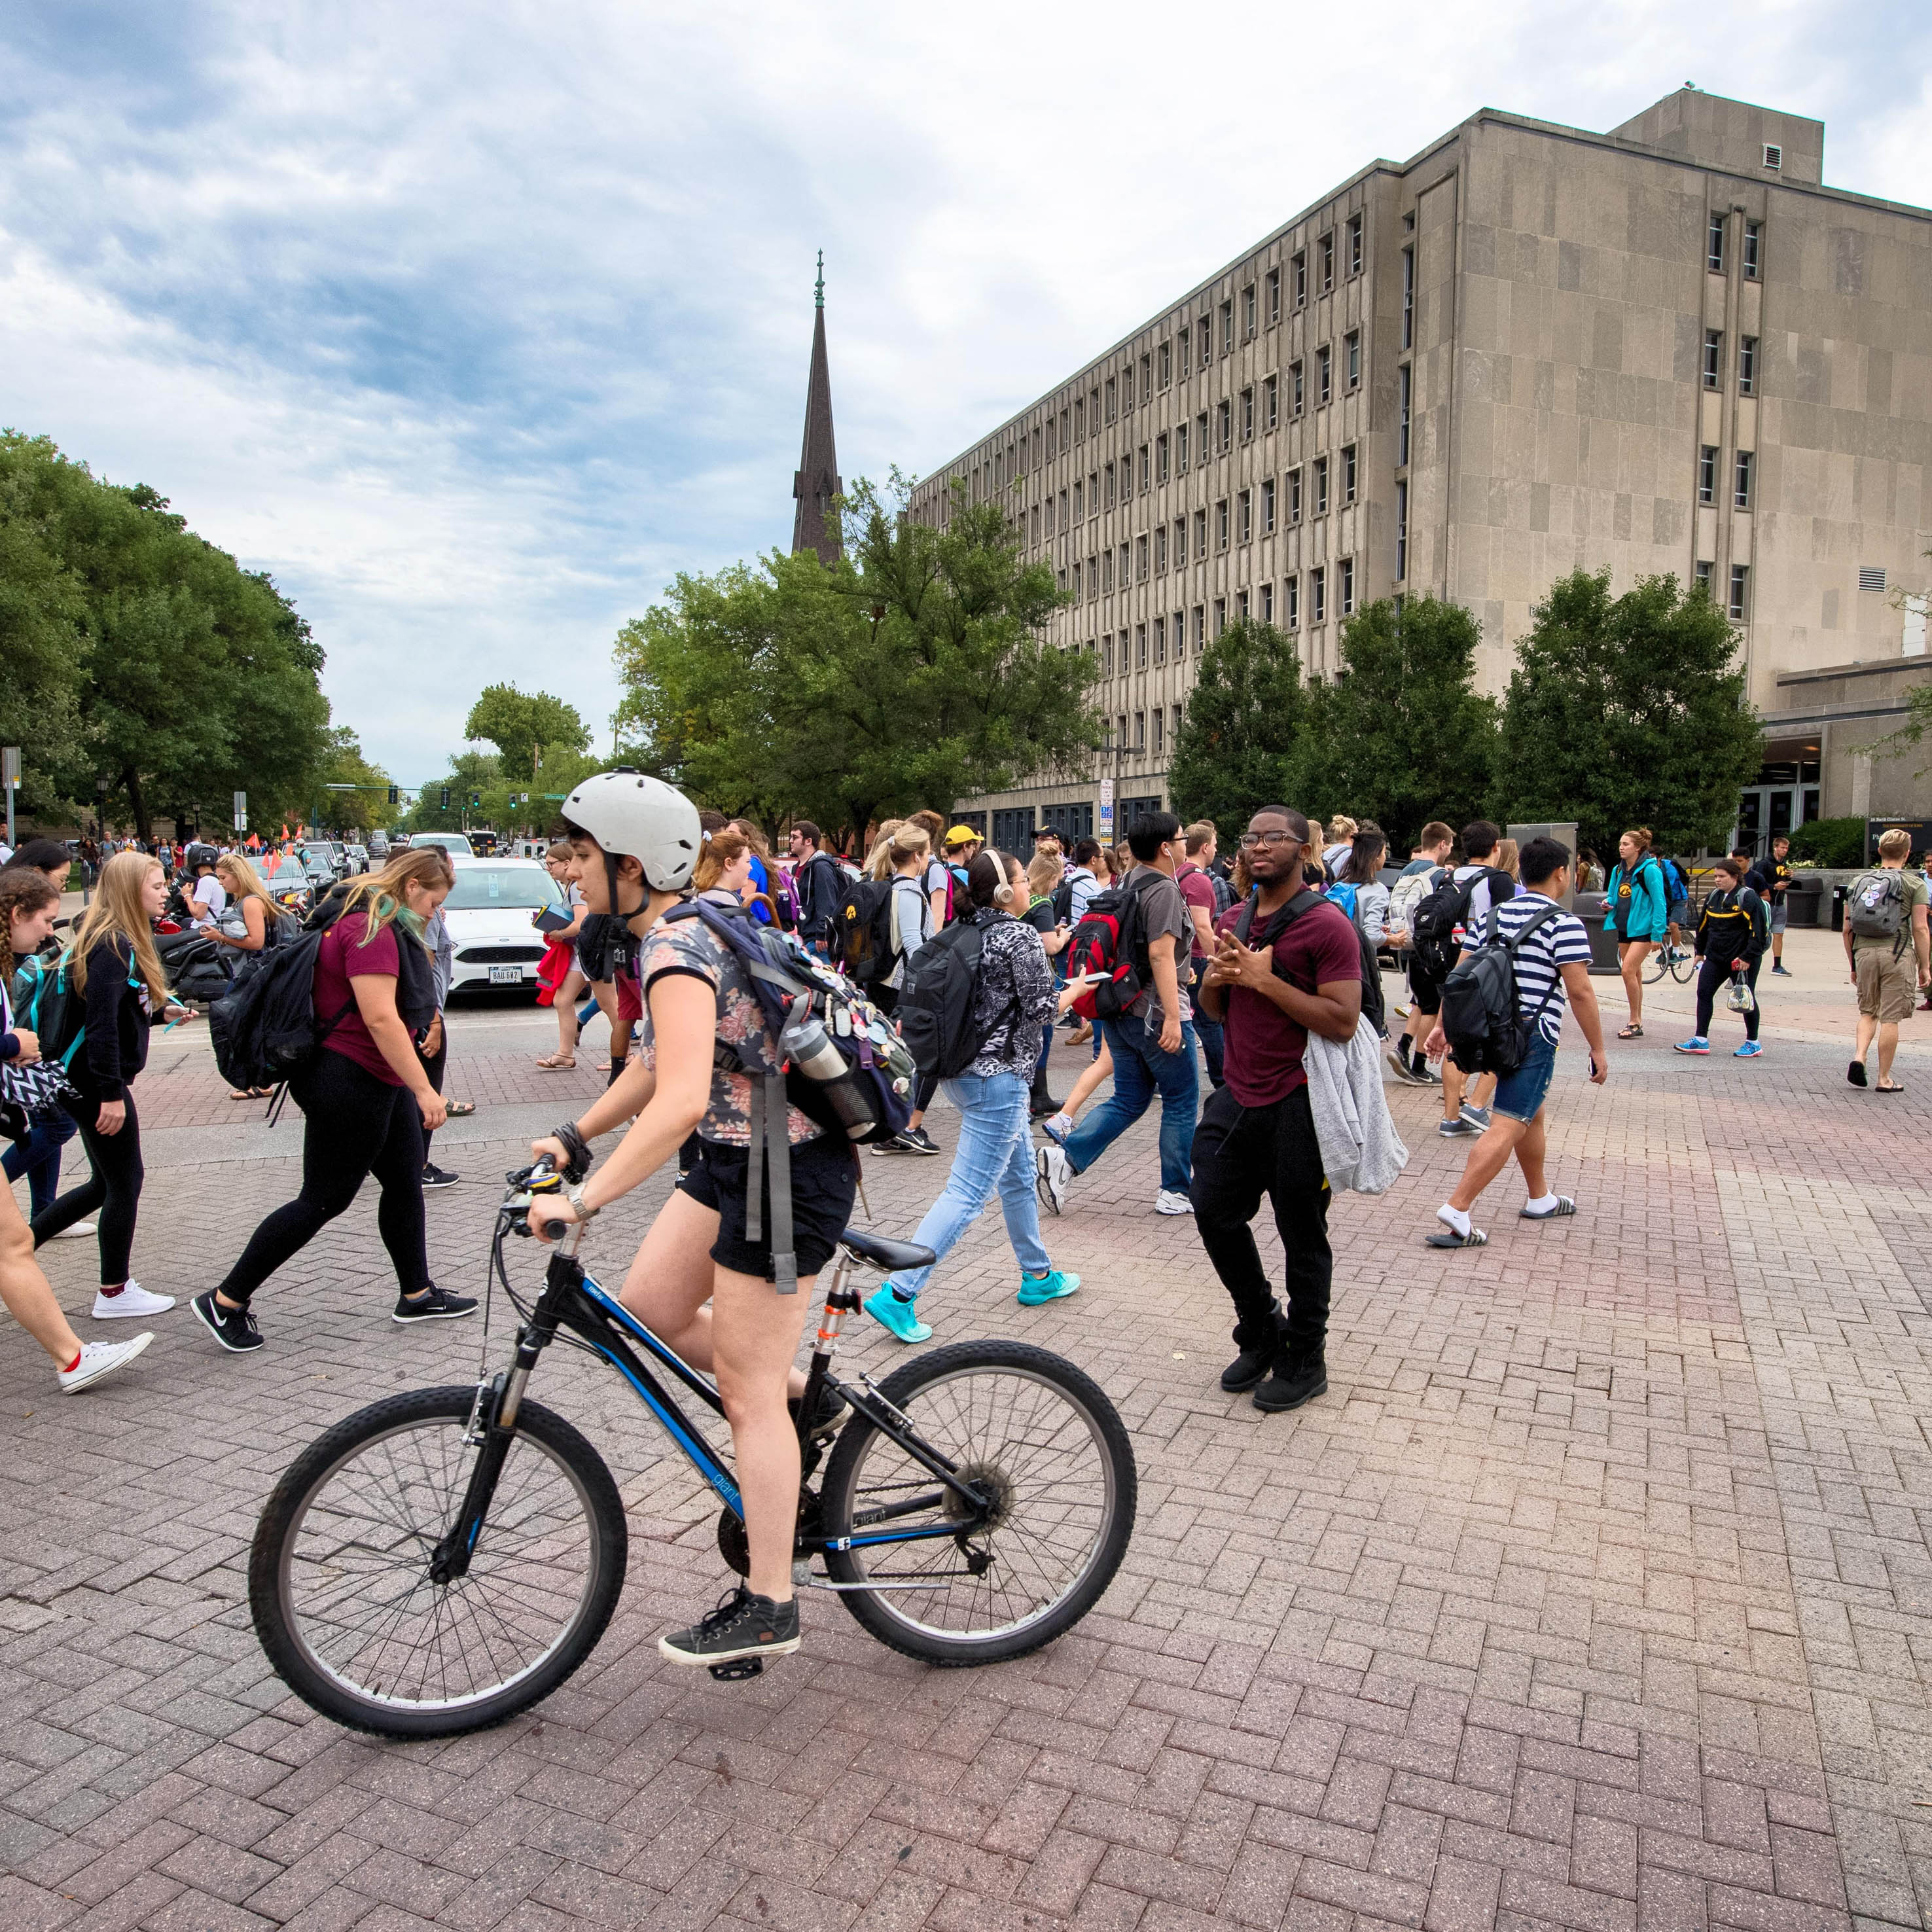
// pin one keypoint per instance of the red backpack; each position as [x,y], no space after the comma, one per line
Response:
[1108,942]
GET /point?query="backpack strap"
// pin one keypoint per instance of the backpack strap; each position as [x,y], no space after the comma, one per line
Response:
[771,1144]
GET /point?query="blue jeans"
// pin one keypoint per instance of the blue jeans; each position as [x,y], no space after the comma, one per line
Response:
[1141,1070]
[38,1157]
[995,1153]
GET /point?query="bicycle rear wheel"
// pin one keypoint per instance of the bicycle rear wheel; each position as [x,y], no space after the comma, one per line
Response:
[1683,963]
[339,1582]
[1041,1439]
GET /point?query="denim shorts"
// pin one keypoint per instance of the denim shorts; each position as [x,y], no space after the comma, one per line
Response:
[1521,1094]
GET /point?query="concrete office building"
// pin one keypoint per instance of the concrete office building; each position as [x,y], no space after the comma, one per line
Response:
[1666,349]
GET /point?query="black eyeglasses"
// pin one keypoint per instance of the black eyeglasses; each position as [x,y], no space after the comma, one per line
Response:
[1249,840]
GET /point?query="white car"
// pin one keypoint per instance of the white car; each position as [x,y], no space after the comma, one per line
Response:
[456,844]
[489,913]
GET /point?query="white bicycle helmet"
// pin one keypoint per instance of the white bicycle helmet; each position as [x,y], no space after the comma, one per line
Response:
[631,815]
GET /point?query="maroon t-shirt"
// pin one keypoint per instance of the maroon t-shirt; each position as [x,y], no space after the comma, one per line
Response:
[1261,1059]
[1197,890]
[344,957]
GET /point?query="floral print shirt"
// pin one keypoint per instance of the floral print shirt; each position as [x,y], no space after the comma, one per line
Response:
[685,946]
[1016,994]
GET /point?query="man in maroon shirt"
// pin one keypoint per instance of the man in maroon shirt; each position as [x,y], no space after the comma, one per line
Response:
[1287,963]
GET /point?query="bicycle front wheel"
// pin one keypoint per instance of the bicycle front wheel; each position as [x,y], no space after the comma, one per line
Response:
[339,1579]
[1042,1441]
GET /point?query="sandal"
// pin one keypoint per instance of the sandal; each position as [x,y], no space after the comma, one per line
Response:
[1449,1238]
[1633,1031]
[1564,1205]
[250,1093]
[1889,1087]
[551,1061]
[456,1109]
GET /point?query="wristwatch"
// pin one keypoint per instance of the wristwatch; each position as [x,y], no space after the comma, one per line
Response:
[579,1206]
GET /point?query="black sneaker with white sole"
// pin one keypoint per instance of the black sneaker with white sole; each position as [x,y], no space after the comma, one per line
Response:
[234,1328]
[744,1624]
[435,1304]
[434,1176]
[832,1410]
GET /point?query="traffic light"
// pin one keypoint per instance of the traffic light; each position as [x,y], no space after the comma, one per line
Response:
[392,795]
[445,798]
[475,801]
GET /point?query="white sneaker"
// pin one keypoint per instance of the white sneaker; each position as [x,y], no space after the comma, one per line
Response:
[80,1231]
[1053,1175]
[132,1300]
[98,1359]
[1169,1202]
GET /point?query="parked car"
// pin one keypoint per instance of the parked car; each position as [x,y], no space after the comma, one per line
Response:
[491,912]
[453,843]
[379,847]
[359,857]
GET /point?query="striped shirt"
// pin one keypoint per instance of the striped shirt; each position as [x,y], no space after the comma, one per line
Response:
[1557,943]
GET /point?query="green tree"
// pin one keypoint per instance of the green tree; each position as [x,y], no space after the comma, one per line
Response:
[41,638]
[1242,741]
[1402,735]
[368,805]
[1627,711]
[518,723]
[471,775]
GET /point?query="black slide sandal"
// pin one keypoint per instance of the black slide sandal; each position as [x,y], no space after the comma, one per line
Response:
[1565,1206]
[1449,1238]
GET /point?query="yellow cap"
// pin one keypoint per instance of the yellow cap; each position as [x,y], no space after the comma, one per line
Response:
[961,835]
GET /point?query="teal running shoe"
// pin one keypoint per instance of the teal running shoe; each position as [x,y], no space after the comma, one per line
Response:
[1035,1288]
[891,1313]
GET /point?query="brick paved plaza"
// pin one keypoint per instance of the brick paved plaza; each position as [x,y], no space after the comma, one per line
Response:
[1595,1594]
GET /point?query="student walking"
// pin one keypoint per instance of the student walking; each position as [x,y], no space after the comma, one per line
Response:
[1771,879]
[1013,1001]
[1152,1040]
[1420,877]
[1732,931]
[570,989]
[815,875]
[1886,936]
[1552,969]
[29,904]
[1286,963]
[1205,904]
[365,1095]
[1640,916]
[116,975]
[1466,1112]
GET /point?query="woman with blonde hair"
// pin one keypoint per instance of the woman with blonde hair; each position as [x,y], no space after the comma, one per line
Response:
[114,971]
[251,921]
[365,1094]
[879,861]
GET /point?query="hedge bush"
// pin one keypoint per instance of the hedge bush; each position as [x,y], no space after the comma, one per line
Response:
[1830,841]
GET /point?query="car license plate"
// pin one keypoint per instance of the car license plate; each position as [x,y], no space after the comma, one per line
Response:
[506,976]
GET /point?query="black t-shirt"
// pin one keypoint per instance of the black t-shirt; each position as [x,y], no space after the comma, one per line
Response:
[1768,878]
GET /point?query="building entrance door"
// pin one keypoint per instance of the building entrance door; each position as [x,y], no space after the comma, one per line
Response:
[1768,811]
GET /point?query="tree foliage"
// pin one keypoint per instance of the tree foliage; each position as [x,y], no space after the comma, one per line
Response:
[1626,711]
[1242,742]
[137,651]
[519,724]
[908,673]
[1403,736]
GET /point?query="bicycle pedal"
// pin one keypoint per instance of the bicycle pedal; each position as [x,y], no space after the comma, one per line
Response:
[738,1669]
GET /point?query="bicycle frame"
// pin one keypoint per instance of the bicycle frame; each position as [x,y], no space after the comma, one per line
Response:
[572,1300]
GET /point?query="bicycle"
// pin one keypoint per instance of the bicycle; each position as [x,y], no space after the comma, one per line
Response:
[1672,956]
[443,1559]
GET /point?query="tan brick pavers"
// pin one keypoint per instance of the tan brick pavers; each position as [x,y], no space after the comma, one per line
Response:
[1595,1594]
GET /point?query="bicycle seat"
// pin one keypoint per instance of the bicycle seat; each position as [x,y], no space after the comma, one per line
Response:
[892,1256]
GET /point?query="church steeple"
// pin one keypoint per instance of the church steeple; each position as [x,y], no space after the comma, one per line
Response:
[815,527]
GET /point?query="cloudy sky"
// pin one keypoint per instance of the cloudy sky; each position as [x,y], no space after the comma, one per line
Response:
[474,322]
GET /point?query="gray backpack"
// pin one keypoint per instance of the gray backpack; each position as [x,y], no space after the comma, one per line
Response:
[1875,907]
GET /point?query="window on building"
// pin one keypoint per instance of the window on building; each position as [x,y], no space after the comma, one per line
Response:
[1221,523]
[1323,362]
[1120,722]
[1079,499]
[1181,450]
[1774,155]
[1205,334]
[1753,249]
[1248,415]
[1740,589]
[1079,419]
[1321,486]
[1248,312]
[1408,298]
[1127,390]
[1273,297]
[1049,516]
[1220,615]
[1160,459]
[1267,507]
[1748,365]
[1076,584]
[1104,561]
[1295,389]
[1348,473]
[1271,402]
[1160,550]
[1707,474]
[1267,603]
[1140,730]
[1146,467]
[1200,626]
[1294,496]
[1200,534]
[1109,475]
[1325,250]
[1093,409]
[1140,649]
[1107,655]
[1146,377]
[1092,493]
[1228,327]
[1186,337]
[1355,245]
[1318,596]
[1298,265]
[1201,443]
[1113,389]
[1036,524]
[1066,418]
[1713,244]
[1175,714]
[1050,427]
[1160,640]
[1704,575]
[1352,343]
[1123,566]
[1224,426]
[1240,604]
[1714,357]
[1291,603]
[1401,531]
[1405,392]
[1740,488]
[1166,357]
[1140,560]
[1179,541]
[1347,584]
[1246,523]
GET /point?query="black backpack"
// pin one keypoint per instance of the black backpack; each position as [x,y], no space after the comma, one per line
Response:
[1062,903]
[862,929]
[1438,914]
[266,1027]
[938,997]
[1481,1019]
[1374,1010]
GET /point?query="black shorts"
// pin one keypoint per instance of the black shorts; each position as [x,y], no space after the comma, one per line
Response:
[824,1184]
[1424,988]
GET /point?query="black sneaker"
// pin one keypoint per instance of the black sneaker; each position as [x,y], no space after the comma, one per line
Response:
[1301,1378]
[234,1328]
[438,1176]
[437,1304]
[832,1410]
[1251,1364]
[909,1140]
[744,1624]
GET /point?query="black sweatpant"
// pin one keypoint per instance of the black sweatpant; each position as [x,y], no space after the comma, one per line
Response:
[112,1187]
[1239,1154]
[1712,975]
[354,1125]
[433,1065]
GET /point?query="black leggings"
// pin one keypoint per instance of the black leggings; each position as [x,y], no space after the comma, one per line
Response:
[1712,974]
[355,1126]
[112,1188]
